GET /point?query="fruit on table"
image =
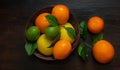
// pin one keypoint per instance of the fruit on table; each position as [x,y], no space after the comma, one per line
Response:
[43,45]
[103,51]
[61,12]
[95,24]
[32,33]
[64,34]
[62,49]
[41,22]
[51,32]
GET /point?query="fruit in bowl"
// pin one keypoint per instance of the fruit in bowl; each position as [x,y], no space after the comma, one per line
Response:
[58,32]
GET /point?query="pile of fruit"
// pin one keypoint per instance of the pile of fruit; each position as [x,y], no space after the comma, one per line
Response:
[54,35]
[51,34]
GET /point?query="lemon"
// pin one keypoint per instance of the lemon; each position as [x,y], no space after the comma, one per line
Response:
[64,34]
[43,45]
[68,25]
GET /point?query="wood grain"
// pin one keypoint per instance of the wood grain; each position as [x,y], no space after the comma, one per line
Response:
[15,13]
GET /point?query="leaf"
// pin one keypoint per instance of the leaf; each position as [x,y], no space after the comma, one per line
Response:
[54,41]
[71,32]
[34,47]
[82,52]
[52,20]
[83,30]
[30,47]
[97,37]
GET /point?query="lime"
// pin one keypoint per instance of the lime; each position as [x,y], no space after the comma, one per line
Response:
[52,32]
[32,33]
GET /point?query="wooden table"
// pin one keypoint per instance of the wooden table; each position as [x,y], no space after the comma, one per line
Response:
[15,13]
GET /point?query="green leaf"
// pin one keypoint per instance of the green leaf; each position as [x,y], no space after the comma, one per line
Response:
[54,41]
[82,52]
[83,30]
[97,37]
[30,47]
[71,32]
[52,20]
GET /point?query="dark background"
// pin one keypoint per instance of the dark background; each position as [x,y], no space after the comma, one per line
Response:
[15,13]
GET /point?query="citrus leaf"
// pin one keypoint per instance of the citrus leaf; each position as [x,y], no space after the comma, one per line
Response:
[83,30]
[30,47]
[34,47]
[52,20]
[97,37]
[82,52]
[70,32]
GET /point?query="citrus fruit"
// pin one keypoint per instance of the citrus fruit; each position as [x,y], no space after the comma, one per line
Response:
[62,49]
[103,51]
[43,45]
[68,25]
[64,34]
[52,32]
[32,33]
[61,12]
[41,22]
[95,24]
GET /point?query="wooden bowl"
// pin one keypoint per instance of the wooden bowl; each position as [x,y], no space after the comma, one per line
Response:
[72,20]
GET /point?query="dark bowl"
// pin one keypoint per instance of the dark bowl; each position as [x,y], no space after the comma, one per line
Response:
[72,20]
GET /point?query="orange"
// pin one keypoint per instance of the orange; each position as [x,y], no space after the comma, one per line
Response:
[41,22]
[62,49]
[61,12]
[103,51]
[95,24]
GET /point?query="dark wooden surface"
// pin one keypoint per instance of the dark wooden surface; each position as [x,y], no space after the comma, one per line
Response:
[15,13]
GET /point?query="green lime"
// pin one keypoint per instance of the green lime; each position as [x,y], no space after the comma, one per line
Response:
[32,33]
[52,32]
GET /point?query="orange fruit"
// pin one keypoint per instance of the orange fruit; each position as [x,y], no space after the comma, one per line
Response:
[41,22]
[61,12]
[62,49]
[103,51]
[95,24]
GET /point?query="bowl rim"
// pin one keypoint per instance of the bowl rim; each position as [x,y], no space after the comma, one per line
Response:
[49,8]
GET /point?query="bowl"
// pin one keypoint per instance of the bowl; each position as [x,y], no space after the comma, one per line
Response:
[72,20]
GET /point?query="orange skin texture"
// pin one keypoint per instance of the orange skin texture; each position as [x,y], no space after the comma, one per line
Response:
[62,49]
[103,51]
[95,24]
[41,22]
[61,12]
